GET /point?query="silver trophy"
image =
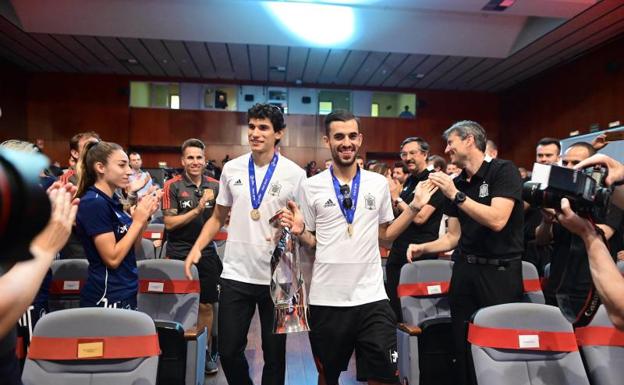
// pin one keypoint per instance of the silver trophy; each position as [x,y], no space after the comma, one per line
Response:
[287,286]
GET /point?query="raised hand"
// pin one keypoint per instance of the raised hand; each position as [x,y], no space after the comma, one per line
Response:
[422,194]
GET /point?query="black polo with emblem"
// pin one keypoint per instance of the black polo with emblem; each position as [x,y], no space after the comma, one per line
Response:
[495,178]
[180,196]
[427,232]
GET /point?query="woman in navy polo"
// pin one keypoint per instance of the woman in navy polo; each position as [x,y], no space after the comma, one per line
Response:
[107,232]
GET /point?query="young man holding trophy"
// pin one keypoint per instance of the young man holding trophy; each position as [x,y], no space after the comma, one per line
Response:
[344,212]
[252,188]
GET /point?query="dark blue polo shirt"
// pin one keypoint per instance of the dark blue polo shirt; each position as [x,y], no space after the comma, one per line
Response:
[99,214]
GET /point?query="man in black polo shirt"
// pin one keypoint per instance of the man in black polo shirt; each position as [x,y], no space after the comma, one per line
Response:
[188,202]
[485,209]
[425,226]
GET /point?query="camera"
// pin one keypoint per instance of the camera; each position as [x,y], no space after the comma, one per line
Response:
[585,189]
[24,205]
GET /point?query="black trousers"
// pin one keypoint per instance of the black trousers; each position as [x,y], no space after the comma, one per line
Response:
[474,287]
[393,274]
[237,304]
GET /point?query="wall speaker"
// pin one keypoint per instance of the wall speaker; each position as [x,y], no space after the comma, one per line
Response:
[249,97]
[306,100]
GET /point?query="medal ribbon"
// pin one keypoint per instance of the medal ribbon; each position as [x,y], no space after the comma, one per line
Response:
[256,196]
[355,189]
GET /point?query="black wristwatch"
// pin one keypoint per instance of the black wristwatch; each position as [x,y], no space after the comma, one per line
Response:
[460,198]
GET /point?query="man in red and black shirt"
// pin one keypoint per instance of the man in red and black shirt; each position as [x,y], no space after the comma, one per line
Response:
[73,248]
[188,202]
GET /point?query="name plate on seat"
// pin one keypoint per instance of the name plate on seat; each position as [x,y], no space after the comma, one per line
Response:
[434,289]
[71,285]
[156,287]
[155,236]
[530,341]
[91,349]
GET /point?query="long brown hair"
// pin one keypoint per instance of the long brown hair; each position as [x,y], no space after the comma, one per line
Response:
[92,153]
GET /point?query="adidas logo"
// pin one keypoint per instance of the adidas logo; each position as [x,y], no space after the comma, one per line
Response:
[238,183]
[329,203]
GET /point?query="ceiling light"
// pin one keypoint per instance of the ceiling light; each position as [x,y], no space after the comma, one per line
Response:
[317,24]
[132,61]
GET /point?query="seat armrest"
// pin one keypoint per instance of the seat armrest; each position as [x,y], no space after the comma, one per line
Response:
[193,333]
[410,329]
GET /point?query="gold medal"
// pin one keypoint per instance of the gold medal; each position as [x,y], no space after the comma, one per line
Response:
[350,229]
[255,214]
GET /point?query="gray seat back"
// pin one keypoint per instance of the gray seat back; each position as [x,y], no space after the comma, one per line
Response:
[147,250]
[605,364]
[525,364]
[68,278]
[178,307]
[78,326]
[532,289]
[435,275]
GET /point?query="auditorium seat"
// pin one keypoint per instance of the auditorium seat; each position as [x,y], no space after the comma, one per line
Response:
[154,231]
[96,346]
[524,343]
[147,250]
[167,296]
[602,346]
[68,278]
[532,284]
[425,344]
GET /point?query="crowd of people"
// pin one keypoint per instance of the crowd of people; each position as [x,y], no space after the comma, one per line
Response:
[418,207]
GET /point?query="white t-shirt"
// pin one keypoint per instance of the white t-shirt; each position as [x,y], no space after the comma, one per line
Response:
[347,269]
[247,250]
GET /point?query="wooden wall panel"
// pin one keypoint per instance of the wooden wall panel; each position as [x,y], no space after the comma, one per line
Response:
[567,98]
[60,105]
[12,102]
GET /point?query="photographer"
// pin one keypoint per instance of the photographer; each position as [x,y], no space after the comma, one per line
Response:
[604,272]
[485,212]
[567,245]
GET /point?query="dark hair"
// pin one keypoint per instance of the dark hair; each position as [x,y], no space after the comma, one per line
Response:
[73,142]
[547,141]
[268,111]
[402,166]
[93,152]
[380,168]
[438,162]
[192,142]
[339,116]
[468,127]
[590,149]
[424,146]
[133,153]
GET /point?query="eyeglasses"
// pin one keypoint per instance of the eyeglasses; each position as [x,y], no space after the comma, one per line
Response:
[403,154]
[346,196]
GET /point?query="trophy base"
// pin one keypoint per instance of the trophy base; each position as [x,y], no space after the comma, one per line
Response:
[290,319]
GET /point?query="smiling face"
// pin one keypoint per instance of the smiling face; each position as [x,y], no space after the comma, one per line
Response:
[193,161]
[457,148]
[116,170]
[414,158]
[262,136]
[344,141]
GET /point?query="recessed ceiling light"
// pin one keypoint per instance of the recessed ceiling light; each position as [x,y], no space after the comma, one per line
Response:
[132,61]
